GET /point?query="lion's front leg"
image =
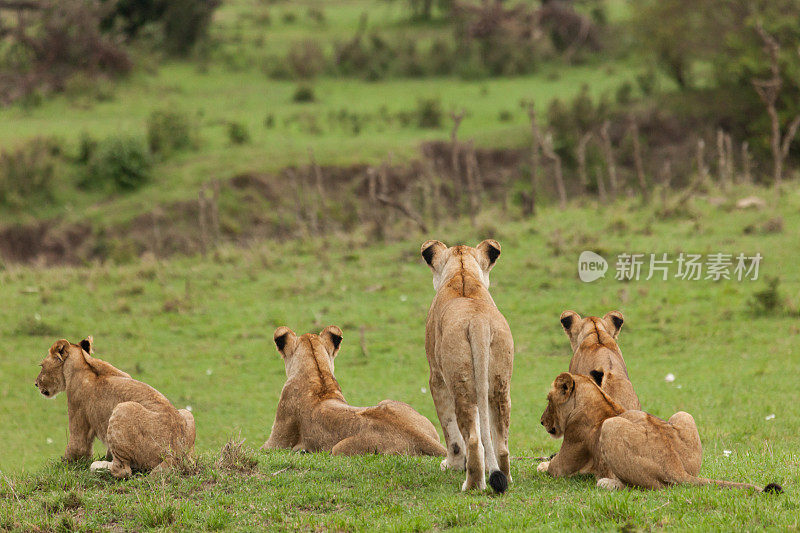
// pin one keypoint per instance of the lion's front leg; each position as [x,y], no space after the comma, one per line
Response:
[446,410]
[569,460]
[80,441]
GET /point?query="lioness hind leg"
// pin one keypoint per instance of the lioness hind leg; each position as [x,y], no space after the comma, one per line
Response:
[500,418]
[360,444]
[468,424]
[692,454]
[120,469]
[445,409]
[630,455]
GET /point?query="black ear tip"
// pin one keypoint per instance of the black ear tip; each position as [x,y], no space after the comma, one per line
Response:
[617,320]
[493,253]
[567,321]
[336,339]
[280,341]
[773,488]
[86,345]
[427,254]
[597,376]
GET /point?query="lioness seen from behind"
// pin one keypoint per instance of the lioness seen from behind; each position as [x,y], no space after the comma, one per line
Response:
[470,352]
[313,415]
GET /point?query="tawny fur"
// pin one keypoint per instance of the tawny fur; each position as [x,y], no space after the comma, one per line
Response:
[313,414]
[470,352]
[595,348]
[620,447]
[139,426]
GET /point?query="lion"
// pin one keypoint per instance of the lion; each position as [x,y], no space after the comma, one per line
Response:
[471,354]
[139,426]
[622,447]
[313,415]
[596,354]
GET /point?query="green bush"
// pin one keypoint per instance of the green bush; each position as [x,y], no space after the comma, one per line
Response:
[429,113]
[121,162]
[169,131]
[238,133]
[303,94]
[28,172]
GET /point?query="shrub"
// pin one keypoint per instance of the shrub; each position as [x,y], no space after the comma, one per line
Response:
[303,94]
[306,59]
[169,131]
[28,171]
[429,113]
[86,148]
[238,133]
[769,300]
[122,162]
[624,94]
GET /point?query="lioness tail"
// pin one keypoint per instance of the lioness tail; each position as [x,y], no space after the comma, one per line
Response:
[773,488]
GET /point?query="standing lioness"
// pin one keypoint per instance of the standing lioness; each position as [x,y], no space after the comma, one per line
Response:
[314,416]
[470,352]
[138,425]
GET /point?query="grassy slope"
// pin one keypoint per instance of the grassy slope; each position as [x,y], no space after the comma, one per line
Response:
[233,88]
[215,353]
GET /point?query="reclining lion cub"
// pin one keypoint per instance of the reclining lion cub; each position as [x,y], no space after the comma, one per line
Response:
[622,448]
[596,354]
[138,425]
[471,354]
[314,416]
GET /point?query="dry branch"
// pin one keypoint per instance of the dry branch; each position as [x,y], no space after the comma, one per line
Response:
[405,209]
[608,152]
[637,159]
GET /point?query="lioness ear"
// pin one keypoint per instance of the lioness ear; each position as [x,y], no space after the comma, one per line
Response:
[86,344]
[597,376]
[564,385]
[488,252]
[431,253]
[570,321]
[285,340]
[613,321]
[331,339]
[59,349]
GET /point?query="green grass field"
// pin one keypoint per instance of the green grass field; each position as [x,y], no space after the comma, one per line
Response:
[200,331]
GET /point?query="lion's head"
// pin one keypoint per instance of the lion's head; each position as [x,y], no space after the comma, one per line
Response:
[51,379]
[578,329]
[297,352]
[560,402]
[446,262]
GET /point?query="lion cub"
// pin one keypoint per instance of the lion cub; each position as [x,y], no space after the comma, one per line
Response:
[622,448]
[314,416]
[596,354]
[138,425]
[471,354]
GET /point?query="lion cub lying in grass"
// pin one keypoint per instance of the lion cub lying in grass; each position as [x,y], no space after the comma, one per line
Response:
[596,354]
[622,448]
[314,416]
[138,425]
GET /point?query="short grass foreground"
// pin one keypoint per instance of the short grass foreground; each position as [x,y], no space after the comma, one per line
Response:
[200,331]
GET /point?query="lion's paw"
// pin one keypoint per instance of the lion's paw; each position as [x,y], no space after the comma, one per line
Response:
[543,466]
[610,484]
[455,465]
[100,465]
